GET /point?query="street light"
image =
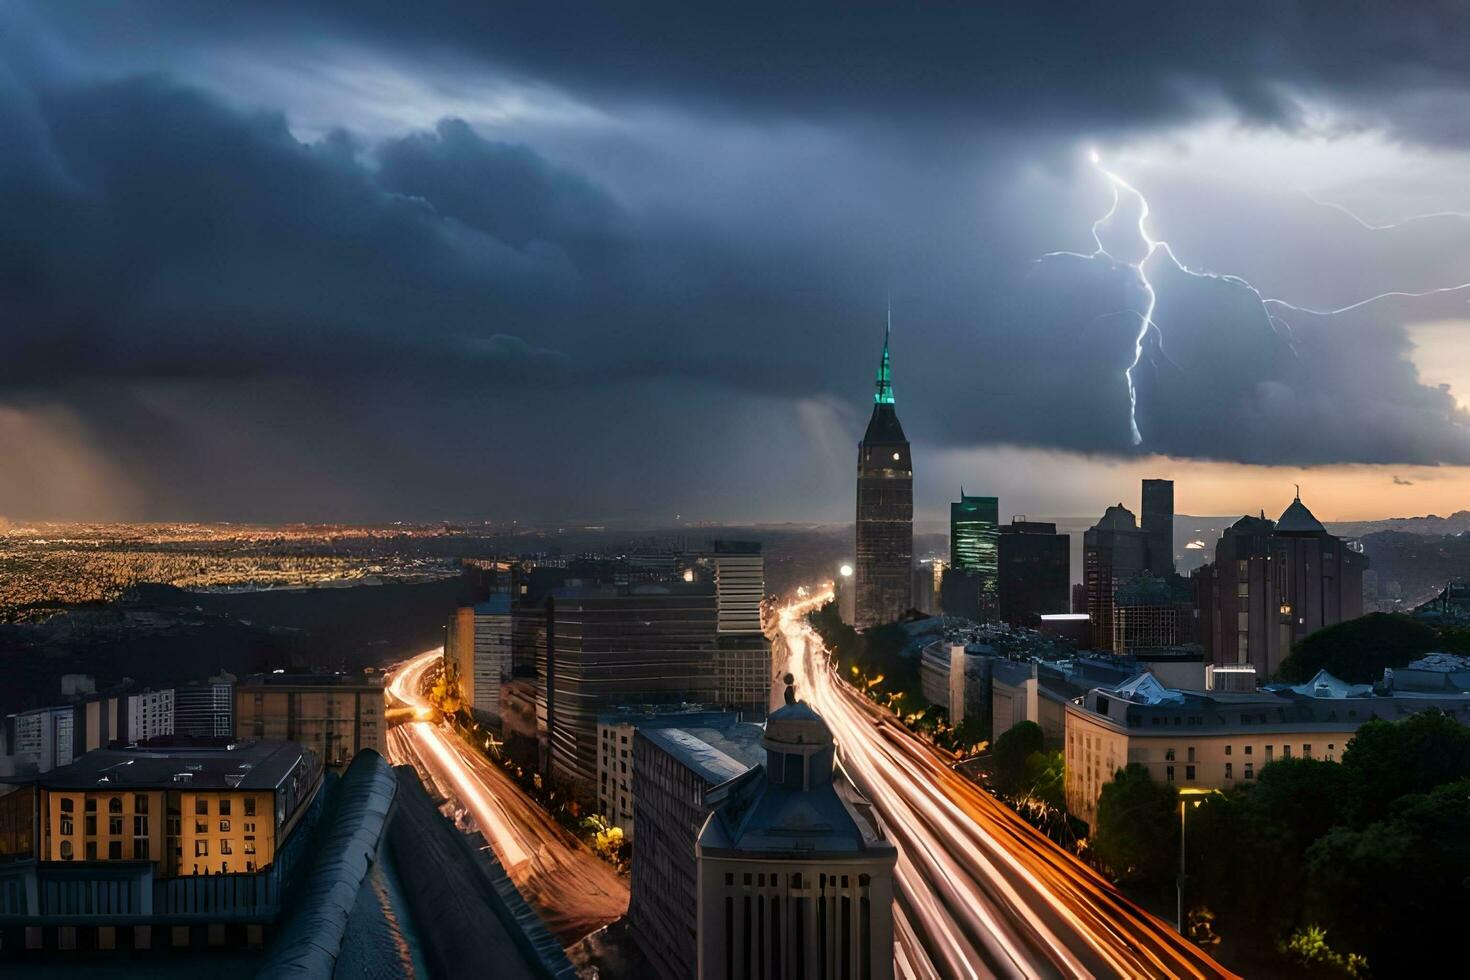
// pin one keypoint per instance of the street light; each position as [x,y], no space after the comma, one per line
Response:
[1184,794]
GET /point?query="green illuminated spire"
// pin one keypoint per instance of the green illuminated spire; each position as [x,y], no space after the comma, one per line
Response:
[884,394]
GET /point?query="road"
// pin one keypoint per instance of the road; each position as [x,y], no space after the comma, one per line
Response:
[980,893]
[575,892]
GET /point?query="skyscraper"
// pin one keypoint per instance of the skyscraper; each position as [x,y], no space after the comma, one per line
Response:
[1035,570]
[1158,526]
[743,655]
[885,511]
[970,582]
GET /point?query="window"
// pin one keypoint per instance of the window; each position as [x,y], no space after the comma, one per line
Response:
[1286,751]
[224,826]
[114,804]
[201,848]
[67,827]
[1191,753]
[249,828]
[1307,750]
[1269,753]
[1250,770]
[250,845]
[225,847]
[91,804]
[140,848]
[224,807]
[1229,770]
[1227,750]
[114,826]
[66,851]
[1248,750]
[1169,773]
[68,805]
[91,823]
[200,827]
[1168,755]
[1189,772]
[140,826]
[140,803]
[114,850]
[91,850]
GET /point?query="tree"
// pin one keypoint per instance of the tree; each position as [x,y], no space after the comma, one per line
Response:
[1044,778]
[1357,650]
[1137,832]
[1010,753]
[1391,759]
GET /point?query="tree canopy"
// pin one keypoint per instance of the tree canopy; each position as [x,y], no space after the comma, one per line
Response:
[1010,753]
[1137,832]
[1357,650]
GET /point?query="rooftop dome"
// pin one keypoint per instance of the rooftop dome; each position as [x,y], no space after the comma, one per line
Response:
[1296,519]
[1117,518]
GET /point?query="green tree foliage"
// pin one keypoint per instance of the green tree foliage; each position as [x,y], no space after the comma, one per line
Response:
[1391,759]
[1009,754]
[1359,649]
[1044,777]
[1308,949]
[1137,832]
[1397,878]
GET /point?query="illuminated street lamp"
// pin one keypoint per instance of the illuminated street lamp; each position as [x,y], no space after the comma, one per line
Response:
[1184,795]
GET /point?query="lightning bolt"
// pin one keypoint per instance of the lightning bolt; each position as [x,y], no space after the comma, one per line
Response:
[1146,322]
[1427,216]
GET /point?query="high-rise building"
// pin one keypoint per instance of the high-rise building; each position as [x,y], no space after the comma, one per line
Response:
[477,654]
[743,657]
[674,769]
[885,512]
[1034,572]
[1114,550]
[1158,526]
[150,715]
[333,715]
[1271,584]
[206,709]
[795,869]
[971,581]
[609,646]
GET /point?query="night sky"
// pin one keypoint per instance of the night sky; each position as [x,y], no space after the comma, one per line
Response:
[365,261]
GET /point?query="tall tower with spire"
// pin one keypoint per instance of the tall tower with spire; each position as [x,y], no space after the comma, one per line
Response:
[885,509]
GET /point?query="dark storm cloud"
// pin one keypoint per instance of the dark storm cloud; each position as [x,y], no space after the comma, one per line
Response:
[369,305]
[1033,63]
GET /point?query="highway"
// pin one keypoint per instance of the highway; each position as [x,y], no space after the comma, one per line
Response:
[575,892]
[979,892]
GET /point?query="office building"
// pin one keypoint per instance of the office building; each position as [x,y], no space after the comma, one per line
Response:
[956,676]
[1272,584]
[1158,526]
[970,583]
[1219,739]
[206,709]
[928,586]
[885,512]
[795,870]
[478,655]
[615,731]
[1151,613]
[613,645]
[674,770]
[1034,572]
[150,715]
[1114,550]
[41,739]
[333,715]
[743,655]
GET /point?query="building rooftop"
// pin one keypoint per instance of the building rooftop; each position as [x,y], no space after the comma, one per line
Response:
[282,679]
[1297,519]
[261,764]
[716,755]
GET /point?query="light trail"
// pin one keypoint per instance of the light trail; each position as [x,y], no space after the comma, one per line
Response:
[980,893]
[575,892]
[1146,322]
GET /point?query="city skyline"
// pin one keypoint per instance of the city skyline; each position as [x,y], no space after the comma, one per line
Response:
[359,247]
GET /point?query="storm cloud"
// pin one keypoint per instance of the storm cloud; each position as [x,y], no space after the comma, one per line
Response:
[536,248]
